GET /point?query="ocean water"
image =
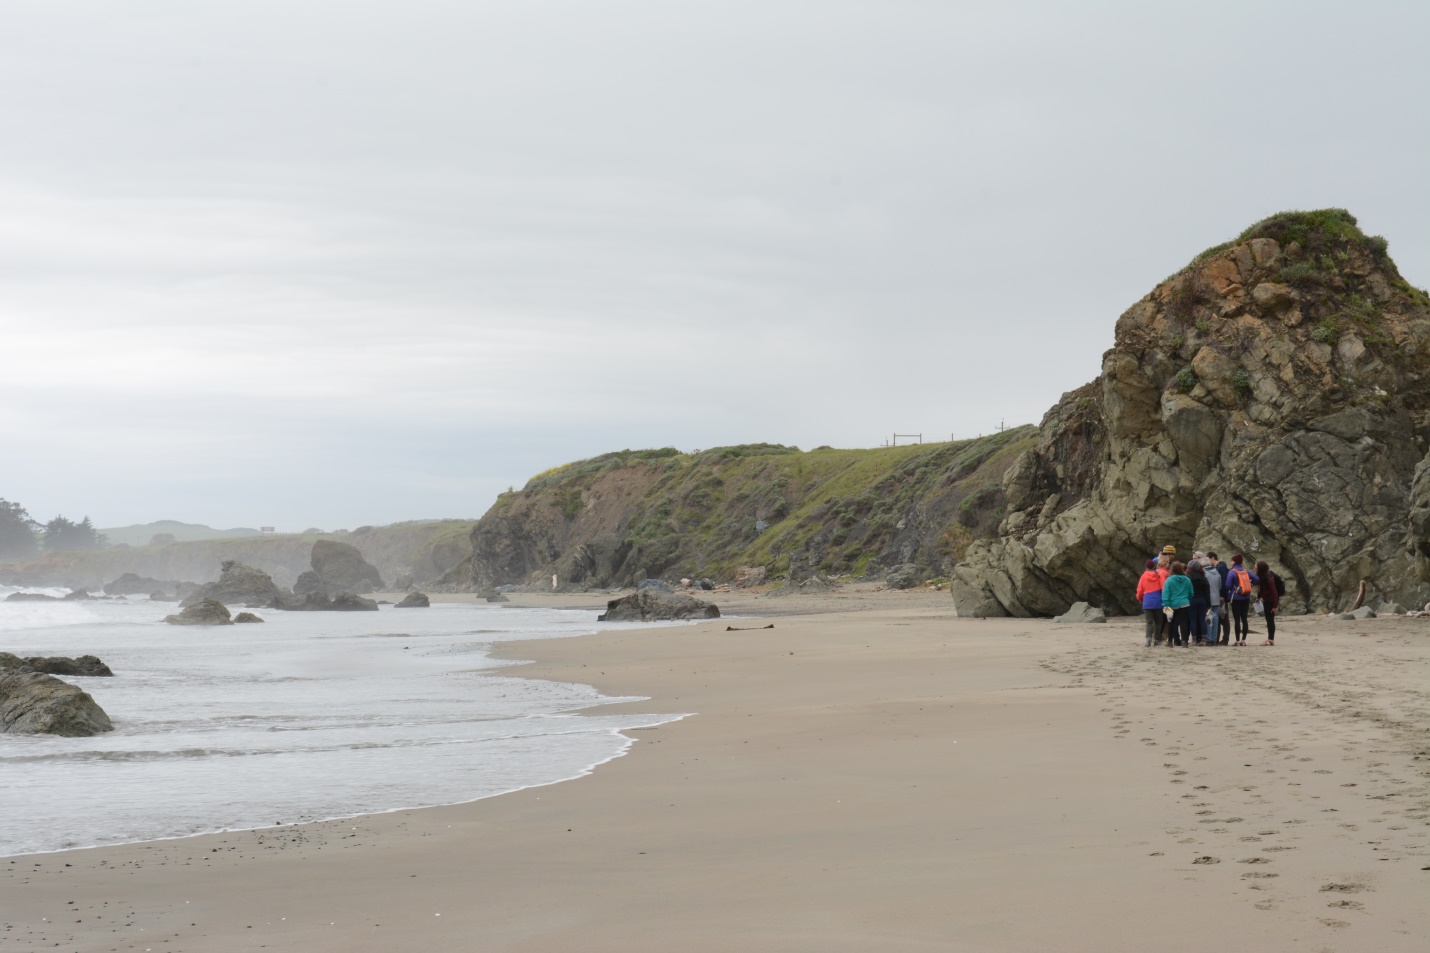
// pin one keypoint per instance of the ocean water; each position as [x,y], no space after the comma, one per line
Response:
[310,715]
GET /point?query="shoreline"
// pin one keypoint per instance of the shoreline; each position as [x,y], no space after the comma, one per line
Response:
[892,778]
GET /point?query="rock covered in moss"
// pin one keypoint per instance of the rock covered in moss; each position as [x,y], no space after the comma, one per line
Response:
[85,666]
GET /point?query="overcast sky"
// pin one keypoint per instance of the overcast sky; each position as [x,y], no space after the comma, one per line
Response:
[299,263]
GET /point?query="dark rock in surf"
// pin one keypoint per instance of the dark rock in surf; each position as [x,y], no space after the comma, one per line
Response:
[87,666]
[207,612]
[237,585]
[246,617]
[414,600]
[36,703]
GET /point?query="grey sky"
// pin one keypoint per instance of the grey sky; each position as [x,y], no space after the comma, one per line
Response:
[341,263]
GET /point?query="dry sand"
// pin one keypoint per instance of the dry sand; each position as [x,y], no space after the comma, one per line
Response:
[883,778]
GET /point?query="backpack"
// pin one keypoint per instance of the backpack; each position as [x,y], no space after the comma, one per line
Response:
[1280,584]
[1243,581]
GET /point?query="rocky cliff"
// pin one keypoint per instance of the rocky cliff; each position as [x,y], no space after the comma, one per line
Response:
[1271,398]
[623,517]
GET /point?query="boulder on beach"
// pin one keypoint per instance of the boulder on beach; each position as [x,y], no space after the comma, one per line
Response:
[237,584]
[1081,612]
[747,576]
[652,605]
[655,584]
[207,612]
[414,600]
[36,703]
[906,576]
[85,665]
[246,617]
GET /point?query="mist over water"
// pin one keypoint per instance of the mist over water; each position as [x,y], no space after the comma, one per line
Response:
[307,716]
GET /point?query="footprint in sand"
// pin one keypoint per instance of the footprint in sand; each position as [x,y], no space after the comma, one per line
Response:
[1335,924]
[1346,905]
[1258,875]
[1254,860]
[1265,904]
[1351,887]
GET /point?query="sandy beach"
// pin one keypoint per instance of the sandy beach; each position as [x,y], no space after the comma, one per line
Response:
[870,774]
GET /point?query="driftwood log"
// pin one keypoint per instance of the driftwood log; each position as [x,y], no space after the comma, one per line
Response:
[1360,597]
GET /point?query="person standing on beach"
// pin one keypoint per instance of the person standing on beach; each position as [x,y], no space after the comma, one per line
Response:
[1270,595]
[1215,607]
[1201,598]
[1149,592]
[1241,581]
[1177,596]
[1223,610]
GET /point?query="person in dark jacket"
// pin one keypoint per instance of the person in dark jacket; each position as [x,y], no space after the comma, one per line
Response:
[1242,582]
[1270,599]
[1222,613]
[1201,598]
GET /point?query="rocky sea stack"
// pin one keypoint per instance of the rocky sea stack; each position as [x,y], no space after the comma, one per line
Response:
[1271,398]
[35,703]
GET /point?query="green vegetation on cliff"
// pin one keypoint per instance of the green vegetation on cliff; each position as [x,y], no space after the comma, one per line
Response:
[616,518]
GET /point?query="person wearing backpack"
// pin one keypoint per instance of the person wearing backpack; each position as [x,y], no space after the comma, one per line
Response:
[1270,594]
[1241,581]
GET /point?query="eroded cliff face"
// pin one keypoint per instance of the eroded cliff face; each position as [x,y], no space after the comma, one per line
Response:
[1270,399]
[619,518]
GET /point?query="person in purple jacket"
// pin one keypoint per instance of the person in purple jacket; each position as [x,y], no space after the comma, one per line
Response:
[1242,582]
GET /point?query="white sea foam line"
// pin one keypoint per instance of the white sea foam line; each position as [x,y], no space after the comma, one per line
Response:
[629,742]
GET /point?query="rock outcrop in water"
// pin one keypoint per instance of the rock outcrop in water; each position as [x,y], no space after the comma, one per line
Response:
[1272,399]
[131,584]
[207,612]
[414,600]
[237,585]
[35,703]
[87,666]
[322,602]
[338,567]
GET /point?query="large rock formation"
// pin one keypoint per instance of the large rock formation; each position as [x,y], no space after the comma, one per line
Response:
[414,600]
[338,567]
[237,585]
[652,605]
[1270,399]
[87,666]
[35,703]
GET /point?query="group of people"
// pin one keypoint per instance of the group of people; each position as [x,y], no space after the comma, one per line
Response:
[1204,601]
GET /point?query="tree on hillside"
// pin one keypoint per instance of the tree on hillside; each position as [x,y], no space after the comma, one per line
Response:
[62,535]
[17,531]
[161,539]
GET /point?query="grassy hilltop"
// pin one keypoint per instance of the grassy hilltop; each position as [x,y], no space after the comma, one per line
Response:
[615,518]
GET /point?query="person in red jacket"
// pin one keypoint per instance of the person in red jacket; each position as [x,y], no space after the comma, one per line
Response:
[1149,594]
[1270,598]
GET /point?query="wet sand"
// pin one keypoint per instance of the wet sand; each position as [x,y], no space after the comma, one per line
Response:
[881,776]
